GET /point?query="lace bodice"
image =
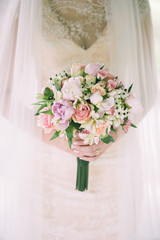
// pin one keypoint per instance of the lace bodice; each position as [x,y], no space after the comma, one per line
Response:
[71,19]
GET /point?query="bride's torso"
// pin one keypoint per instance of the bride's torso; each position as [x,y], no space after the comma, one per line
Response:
[73,32]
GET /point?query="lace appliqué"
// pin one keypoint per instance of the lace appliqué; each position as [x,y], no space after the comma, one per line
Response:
[87,14]
[143,7]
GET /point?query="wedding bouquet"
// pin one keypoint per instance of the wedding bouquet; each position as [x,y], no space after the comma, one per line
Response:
[88,101]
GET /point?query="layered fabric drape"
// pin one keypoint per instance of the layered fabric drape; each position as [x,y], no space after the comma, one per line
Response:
[131,55]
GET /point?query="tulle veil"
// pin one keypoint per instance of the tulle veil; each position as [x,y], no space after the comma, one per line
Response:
[130,39]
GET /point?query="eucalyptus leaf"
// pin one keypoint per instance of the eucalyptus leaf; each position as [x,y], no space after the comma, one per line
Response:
[56,134]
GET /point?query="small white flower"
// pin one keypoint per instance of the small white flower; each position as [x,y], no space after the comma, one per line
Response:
[116,122]
[90,80]
[89,138]
[124,94]
[117,103]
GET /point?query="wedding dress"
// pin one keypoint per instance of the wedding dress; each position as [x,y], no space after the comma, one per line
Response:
[39,197]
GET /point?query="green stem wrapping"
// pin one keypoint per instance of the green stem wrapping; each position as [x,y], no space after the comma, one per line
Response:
[82,174]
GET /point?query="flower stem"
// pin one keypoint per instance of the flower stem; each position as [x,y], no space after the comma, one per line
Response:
[82,175]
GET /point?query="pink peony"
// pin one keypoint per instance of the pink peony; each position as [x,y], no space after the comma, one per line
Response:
[127,125]
[134,103]
[82,113]
[102,74]
[92,68]
[63,111]
[111,84]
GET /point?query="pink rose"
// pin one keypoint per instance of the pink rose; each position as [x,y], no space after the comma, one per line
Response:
[92,68]
[127,125]
[118,83]
[45,121]
[85,131]
[111,84]
[82,113]
[99,87]
[134,103]
[102,74]
[110,76]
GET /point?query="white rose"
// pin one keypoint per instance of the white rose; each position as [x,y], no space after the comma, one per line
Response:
[72,89]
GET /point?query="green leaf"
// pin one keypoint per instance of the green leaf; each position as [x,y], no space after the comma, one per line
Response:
[107,139]
[113,129]
[84,74]
[125,119]
[102,67]
[36,104]
[129,89]
[40,108]
[48,93]
[69,132]
[39,96]
[75,125]
[132,125]
[95,108]
[49,112]
[56,134]
[58,87]
[105,97]
[106,131]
